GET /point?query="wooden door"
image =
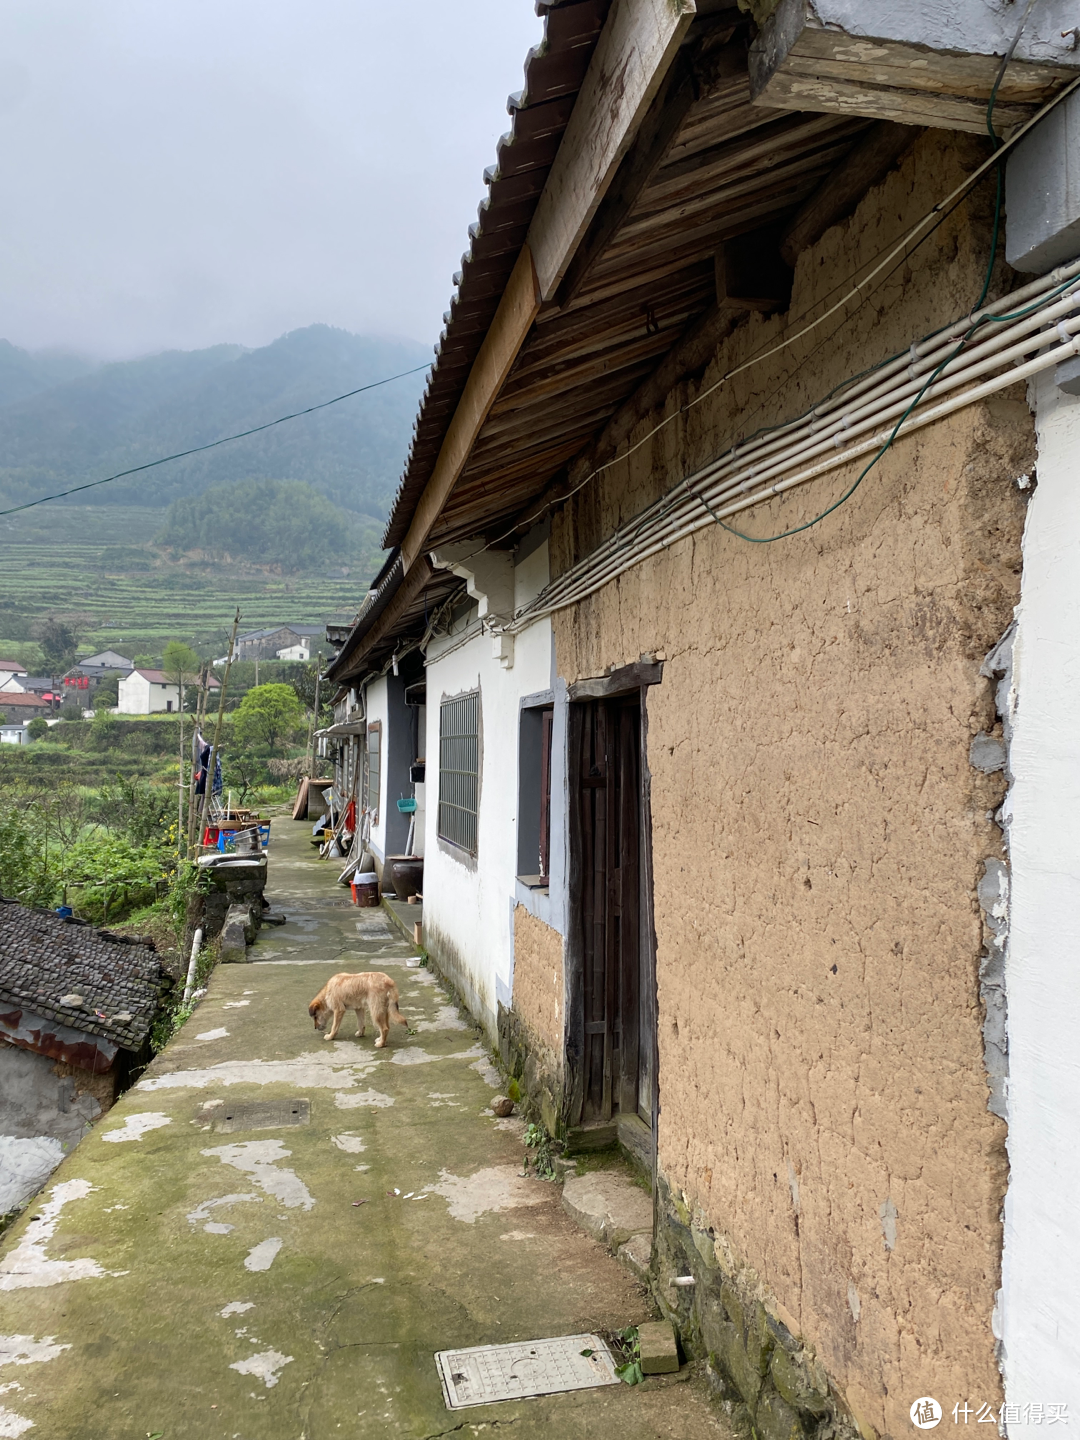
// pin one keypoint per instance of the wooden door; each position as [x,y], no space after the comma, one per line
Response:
[612,927]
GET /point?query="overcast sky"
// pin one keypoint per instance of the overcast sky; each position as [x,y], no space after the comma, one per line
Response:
[177,173]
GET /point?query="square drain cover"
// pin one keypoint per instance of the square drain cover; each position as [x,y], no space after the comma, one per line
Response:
[487,1373]
[262,1115]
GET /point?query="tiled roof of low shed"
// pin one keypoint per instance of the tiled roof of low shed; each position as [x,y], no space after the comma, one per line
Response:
[47,961]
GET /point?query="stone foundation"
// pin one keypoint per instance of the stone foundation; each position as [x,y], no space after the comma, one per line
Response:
[774,1384]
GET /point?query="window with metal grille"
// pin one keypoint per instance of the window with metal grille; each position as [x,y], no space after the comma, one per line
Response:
[373,770]
[459,769]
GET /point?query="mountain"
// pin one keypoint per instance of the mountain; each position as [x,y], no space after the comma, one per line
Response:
[79,427]
[23,374]
[280,523]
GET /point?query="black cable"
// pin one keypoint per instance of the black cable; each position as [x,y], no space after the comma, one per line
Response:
[225,440]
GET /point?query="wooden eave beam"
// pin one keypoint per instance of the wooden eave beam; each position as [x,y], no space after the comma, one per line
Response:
[658,131]
[632,56]
[412,585]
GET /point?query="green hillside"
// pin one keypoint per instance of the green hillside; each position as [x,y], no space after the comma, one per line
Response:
[96,564]
[286,524]
[121,415]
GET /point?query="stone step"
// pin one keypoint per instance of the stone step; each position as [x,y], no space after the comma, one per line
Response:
[608,1205]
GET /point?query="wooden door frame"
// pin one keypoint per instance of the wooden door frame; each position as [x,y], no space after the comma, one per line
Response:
[629,680]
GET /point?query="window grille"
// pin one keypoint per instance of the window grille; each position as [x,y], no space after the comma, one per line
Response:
[459,767]
[373,770]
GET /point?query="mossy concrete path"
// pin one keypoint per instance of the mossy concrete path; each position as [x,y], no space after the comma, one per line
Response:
[202,1266]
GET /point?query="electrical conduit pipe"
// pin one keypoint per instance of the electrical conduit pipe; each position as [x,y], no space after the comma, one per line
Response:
[196,946]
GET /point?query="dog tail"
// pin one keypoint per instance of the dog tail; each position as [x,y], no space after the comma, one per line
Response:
[395,1010]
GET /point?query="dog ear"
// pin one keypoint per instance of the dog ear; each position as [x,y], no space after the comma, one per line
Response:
[313,1008]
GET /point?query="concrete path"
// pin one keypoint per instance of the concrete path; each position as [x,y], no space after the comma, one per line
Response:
[197,1270]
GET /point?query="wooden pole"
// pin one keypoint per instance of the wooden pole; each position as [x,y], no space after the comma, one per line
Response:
[315,713]
[180,778]
[200,715]
[217,729]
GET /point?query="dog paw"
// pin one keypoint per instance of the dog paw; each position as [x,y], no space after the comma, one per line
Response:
[379,1043]
[328,1037]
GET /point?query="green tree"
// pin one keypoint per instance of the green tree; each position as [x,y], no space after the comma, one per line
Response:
[37,728]
[107,692]
[302,678]
[267,717]
[180,663]
[59,644]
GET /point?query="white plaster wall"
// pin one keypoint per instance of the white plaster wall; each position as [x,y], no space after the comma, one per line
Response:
[1041,1266]
[136,696]
[976,27]
[376,703]
[470,904]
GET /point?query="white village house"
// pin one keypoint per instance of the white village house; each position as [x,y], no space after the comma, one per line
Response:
[727,644]
[149,692]
[11,674]
[105,662]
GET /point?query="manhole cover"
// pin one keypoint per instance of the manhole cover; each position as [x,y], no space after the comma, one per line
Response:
[262,1115]
[487,1373]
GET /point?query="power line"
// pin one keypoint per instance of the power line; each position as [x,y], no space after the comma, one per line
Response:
[225,440]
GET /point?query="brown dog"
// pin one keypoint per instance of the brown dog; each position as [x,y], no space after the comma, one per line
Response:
[352,992]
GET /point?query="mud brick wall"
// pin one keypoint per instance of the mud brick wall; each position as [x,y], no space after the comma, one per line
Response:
[531,1034]
[818,831]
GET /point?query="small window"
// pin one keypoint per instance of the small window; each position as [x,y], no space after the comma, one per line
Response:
[459,769]
[373,770]
[534,796]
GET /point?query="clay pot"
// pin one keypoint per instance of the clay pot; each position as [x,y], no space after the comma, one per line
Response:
[407,875]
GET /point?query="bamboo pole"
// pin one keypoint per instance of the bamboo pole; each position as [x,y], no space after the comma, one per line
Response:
[200,716]
[315,712]
[217,728]
[180,778]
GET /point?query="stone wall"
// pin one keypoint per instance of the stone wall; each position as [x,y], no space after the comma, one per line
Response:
[818,832]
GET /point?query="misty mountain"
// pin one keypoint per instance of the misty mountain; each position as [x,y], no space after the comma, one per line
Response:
[80,427]
[23,374]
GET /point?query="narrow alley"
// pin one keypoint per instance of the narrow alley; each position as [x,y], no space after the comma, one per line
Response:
[270,1236]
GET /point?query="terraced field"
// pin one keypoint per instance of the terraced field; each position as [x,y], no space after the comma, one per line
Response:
[93,561]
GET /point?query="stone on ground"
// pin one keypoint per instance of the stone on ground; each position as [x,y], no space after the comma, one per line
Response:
[607,1205]
[657,1349]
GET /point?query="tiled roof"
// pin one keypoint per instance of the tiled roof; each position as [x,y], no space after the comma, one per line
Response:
[13,666]
[158,677]
[26,698]
[46,961]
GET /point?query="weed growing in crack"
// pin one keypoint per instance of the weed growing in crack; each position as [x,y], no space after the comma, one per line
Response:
[625,1346]
[542,1158]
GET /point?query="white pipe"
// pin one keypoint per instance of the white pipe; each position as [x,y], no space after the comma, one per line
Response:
[995,352]
[196,946]
[920,358]
[589,578]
